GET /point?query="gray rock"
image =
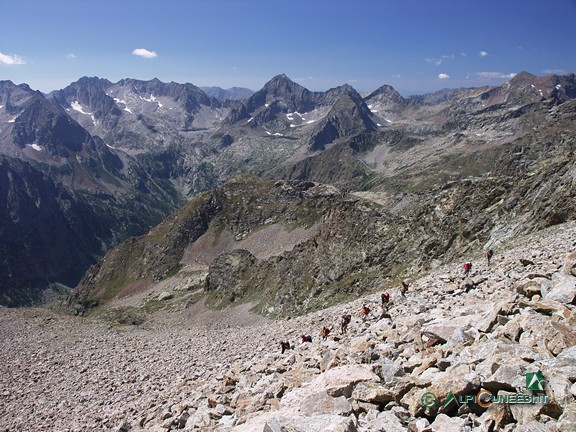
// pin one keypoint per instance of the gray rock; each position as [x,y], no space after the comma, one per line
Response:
[567,421]
[322,403]
[563,289]
[386,421]
[374,393]
[318,423]
[420,425]
[165,295]
[443,423]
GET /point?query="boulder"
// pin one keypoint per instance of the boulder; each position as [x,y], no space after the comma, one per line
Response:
[338,381]
[322,403]
[373,392]
[567,421]
[420,425]
[501,414]
[563,289]
[460,380]
[386,421]
[443,423]
[165,295]
[529,288]
[319,423]
[569,267]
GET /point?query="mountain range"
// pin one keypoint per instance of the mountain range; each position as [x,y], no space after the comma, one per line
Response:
[270,178]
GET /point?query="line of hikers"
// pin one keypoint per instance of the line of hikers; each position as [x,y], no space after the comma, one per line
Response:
[346,319]
[365,311]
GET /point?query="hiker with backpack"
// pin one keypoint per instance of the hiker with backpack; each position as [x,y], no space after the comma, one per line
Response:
[284,345]
[306,338]
[364,312]
[489,254]
[384,301]
[404,288]
[467,268]
[325,332]
[346,318]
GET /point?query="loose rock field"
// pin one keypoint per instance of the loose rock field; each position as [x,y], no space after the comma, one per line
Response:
[206,370]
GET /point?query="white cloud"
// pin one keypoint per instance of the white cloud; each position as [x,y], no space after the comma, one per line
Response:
[495,75]
[11,59]
[70,56]
[396,76]
[443,76]
[144,53]
[482,53]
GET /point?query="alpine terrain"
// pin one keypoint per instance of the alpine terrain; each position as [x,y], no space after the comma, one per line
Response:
[177,235]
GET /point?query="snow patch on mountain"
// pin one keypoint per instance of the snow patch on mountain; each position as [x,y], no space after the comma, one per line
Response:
[35,147]
[77,107]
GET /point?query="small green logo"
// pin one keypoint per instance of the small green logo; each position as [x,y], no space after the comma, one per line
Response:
[449,399]
[429,400]
[535,381]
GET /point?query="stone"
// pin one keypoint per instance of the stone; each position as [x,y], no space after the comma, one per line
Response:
[319,423]
[533,427]
[569,267]
[420,425]
[373,392]
[502,373]
[501,414]
[567,421]
[563,289]
[529,288]
[165,295]
[338,381]
[386,421]
[460,380]
[322,403]
[443,423]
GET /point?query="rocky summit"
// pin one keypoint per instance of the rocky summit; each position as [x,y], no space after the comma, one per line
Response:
[491,350]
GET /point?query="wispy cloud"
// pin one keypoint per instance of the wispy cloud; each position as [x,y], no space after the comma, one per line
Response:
[482,53]
[443,76]
[70,56]
[439,61]
[144,53]
[11,59]
[396,76]
[495,75]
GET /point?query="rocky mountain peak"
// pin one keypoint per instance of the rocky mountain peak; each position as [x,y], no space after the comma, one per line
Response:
[386,93]
[527,87]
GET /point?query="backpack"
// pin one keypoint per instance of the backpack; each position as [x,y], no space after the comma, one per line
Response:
[490,252]
[385,297]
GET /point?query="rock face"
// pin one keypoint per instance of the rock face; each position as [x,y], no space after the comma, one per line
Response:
[427,363]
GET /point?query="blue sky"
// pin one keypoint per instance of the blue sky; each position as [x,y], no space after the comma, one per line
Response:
[415,46]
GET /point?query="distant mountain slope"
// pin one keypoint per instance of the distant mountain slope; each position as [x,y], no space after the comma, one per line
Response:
[66,197]
[232,93]
[231,242]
